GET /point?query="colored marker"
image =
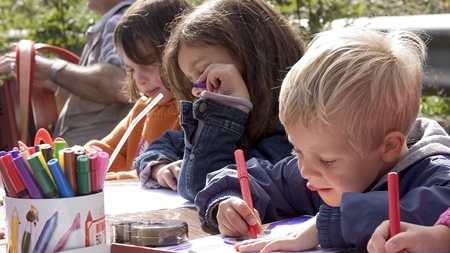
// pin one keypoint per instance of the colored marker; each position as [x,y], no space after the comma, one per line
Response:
[58,145]
[70,169]
[245,186]
[15,153]
[91,151]
[9,188]
[47,152]
[14,230]
[31,150]
[78,151]
[394,204]
[46,234]
[201,85]
[14,176]
[33,187]
[61,159]
[93,166]
[44,163]
[97,148]
[103,159]
[47,186]
[60,179]
[83,175]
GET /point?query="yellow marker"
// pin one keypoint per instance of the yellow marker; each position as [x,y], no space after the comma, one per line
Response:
[14,230]
[44,163]
[61,159]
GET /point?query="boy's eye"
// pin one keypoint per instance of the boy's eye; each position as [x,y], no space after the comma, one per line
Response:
[130,71]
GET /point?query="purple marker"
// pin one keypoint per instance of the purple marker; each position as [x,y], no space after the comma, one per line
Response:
[33,187]
[201,85]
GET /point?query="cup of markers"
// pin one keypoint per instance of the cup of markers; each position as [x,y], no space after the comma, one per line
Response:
[54,197]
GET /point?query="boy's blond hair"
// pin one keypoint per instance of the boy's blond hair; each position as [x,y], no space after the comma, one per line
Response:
[362,82]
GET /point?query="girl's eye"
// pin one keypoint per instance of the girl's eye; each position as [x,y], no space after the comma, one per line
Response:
[130,71]
[326,163]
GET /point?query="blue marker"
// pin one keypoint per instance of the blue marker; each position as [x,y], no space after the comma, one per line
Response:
[46,234]
[60,179]
[14,153]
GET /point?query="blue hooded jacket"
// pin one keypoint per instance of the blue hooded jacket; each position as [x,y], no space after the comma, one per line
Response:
[280,192]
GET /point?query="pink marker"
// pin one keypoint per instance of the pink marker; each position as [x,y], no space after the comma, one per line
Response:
[245,186]
[394,205]
[102,159]
[93,166]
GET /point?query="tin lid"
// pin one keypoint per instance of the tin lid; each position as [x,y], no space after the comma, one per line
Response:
[159,233]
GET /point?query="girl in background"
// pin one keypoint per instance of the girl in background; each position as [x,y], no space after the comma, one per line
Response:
[236,53]
[139,39]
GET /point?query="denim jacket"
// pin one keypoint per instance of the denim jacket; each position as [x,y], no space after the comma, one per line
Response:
[211,131]
[280,192]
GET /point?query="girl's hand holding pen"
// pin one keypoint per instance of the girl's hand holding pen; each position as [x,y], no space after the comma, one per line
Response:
[234,216]
[224,79]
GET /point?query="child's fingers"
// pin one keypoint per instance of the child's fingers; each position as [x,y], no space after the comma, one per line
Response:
[231,222]
[378,240]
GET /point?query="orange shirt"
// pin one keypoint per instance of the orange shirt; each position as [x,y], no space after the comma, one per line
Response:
[154,124]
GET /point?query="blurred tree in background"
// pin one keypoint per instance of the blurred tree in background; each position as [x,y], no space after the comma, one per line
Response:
[62,23]
[318,14]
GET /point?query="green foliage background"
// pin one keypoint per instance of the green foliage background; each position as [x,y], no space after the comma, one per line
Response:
[64,22]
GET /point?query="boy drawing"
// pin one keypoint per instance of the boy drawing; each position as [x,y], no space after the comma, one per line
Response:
[349,107]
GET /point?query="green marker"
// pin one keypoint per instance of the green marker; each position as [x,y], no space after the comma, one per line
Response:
[58,145]
[83,175]
[43,179]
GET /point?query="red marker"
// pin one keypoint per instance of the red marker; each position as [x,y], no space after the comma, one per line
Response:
[14,176]
[394,204]
[245,186]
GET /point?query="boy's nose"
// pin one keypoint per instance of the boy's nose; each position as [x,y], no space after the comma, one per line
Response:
[307,171]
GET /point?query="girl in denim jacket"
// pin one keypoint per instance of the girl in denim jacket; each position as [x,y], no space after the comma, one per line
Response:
[237,54]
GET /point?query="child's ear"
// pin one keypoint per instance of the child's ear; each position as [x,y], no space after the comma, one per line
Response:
[393,145]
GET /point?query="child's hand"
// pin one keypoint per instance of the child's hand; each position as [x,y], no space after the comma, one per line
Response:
[412,238]
[234,216]
[224,79]
[167,174]
[304,238]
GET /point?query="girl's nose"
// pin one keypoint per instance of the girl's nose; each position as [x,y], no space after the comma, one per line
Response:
[196,92]
[140,80]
